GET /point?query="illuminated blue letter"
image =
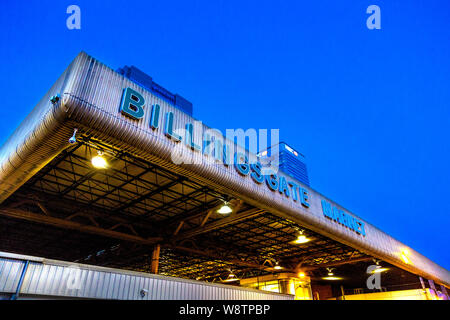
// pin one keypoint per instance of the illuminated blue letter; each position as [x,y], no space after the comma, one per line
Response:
[304,197]
[256,172]
[154,120]
[294,187]
[132,104]
[189,138]
[272,181]
[283,186]
[168,129]
[326,209]
[241,163]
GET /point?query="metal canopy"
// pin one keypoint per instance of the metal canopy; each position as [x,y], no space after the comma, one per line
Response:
[112,217]
[46,181]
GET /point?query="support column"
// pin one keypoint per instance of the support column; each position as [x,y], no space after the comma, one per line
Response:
[422,283]
[342,292]
[433,288]
[424,287]
[444,291]
[155,259]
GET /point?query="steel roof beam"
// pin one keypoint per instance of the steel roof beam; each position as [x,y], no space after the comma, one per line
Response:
[334,264]
[218,257]
[219,223]
[149,194]
[66,224]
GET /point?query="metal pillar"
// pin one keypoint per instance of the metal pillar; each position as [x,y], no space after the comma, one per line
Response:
[342,291]
[155,259]
[444,291]
[19,285]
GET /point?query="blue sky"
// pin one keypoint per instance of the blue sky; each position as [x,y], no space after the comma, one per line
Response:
[369,108]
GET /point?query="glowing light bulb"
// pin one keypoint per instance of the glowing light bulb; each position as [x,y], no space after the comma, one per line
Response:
[301,239]
[332,278]
[99,162]
[379,269]
[225,209]
[231,277]
[277,266]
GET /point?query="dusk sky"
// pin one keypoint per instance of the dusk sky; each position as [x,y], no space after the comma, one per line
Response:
[370,109]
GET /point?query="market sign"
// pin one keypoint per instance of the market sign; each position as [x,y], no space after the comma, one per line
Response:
[339,216]
[132,105]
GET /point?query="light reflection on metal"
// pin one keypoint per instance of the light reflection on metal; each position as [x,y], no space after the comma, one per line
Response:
[404,254]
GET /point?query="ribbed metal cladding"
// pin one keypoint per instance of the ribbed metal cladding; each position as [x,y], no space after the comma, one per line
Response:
[91,94]
[56,279]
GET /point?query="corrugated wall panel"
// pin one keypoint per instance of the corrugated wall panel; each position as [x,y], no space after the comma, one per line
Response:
[10,274]
[55,279]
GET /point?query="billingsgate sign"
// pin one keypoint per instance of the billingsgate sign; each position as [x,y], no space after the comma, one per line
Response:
[132,105]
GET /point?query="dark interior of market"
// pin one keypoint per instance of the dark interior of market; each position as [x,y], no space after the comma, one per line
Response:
[136,215]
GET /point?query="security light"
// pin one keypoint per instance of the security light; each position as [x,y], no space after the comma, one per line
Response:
[73,138]
[54,99]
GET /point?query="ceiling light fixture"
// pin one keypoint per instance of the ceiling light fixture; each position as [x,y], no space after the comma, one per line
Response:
[379,269]
[330,272]
[332,278]
[301,238]
[277,266]
[99,161]
[225,209]
[231,277]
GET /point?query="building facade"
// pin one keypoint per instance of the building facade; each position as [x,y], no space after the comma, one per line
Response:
[100,173]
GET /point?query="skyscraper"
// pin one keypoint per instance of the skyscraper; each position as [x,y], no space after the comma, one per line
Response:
[289,161]
[144,80]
